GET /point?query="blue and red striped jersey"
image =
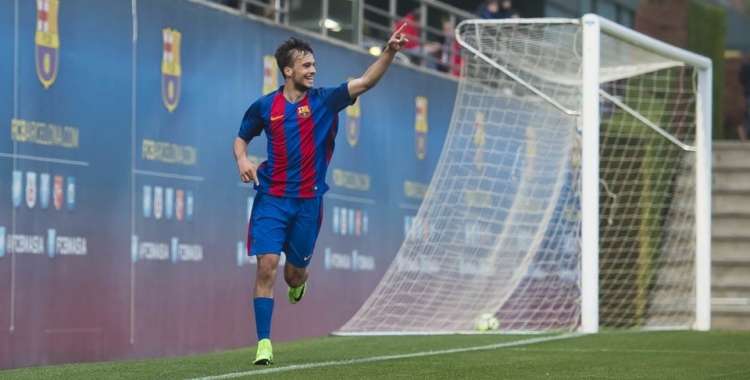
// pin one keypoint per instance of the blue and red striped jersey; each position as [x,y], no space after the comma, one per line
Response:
[301,137]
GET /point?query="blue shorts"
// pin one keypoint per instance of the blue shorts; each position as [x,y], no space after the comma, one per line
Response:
[281,224]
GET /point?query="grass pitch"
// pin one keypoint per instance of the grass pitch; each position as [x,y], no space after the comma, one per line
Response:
[649,355]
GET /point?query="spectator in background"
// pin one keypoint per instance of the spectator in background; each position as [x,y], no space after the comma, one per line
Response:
[449,55]
[494,9]
[415,47]
[745,81]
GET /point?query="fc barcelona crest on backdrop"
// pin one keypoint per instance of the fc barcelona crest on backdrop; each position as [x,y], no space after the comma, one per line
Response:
[47,41]
[352,124]
[171,71]
[270,74]
[420,127]
[479,139]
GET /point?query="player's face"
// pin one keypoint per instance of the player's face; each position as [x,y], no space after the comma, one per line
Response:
[303,72]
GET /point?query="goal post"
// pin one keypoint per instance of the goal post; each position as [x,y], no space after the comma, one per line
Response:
[593,27]
[572,192]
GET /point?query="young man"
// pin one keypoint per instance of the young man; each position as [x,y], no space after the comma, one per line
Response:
[301,123]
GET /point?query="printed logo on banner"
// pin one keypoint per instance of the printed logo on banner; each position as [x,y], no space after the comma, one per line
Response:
[365,223]
[17,188]
[158,202]
[71,194]
[353,122]
[350,223]
[171,70]
[134,248]
[174,251]
[420,127]
[479,139]
[169,203]
[189,205]
[44,190]
[342,222]
[2,242]
[57,192]
[270,74]
[179,204]
[30,189]
[335,219]
[47,41]
[240,253]
[146,201]
[327,259]
[51,242]
[358,223]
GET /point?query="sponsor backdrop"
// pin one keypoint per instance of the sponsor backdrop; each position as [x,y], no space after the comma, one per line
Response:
[123,222]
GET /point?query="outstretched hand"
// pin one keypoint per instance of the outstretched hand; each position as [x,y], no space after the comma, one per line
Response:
[398,39]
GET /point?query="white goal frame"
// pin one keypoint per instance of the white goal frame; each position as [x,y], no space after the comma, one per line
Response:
[592,27]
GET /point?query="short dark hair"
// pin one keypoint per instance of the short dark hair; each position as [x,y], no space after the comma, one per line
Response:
[288,50]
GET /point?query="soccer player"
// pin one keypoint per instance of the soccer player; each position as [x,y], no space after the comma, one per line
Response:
[301,123]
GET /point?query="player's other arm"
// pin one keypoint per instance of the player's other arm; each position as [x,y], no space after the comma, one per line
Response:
[373,74]
[250,127]
[246,168]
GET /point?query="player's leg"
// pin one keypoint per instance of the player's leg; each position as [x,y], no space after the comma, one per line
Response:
[266,235]
[303,234]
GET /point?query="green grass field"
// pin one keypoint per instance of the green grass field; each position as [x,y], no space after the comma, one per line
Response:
[653,355]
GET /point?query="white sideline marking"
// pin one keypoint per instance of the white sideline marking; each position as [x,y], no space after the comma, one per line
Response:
[294,367]
[632,351]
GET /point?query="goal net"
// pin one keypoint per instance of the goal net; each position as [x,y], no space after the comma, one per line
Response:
[500,228]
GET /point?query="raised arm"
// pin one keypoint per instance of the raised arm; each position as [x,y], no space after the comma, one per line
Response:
[373,74]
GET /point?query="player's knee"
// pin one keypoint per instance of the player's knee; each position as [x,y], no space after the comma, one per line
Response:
[266,267]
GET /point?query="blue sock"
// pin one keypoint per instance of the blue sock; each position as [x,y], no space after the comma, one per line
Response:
[263,311]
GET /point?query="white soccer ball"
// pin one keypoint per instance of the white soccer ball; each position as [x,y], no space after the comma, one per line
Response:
[487,322]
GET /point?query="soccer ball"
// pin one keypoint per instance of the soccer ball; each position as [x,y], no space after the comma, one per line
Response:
[487,322]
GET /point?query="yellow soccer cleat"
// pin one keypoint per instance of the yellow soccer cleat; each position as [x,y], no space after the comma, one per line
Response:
[264,356]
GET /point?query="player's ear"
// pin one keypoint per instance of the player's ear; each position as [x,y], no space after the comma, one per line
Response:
[287,71]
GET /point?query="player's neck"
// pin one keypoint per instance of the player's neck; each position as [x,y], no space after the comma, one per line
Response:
[292,93]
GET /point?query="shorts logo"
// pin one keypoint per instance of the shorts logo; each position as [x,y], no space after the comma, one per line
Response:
[179,204]
[158,202]
[171,70]
[47,41]
[420,127]
[30,189]
[352,123]
[57,192]
[270,75]
[71,193]
[303,111]
[17,187]
[44,190]
[479,139]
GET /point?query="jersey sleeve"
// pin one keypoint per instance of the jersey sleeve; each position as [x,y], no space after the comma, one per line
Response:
[337,98]
[252,122]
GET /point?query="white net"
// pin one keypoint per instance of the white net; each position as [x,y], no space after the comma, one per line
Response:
[499,229]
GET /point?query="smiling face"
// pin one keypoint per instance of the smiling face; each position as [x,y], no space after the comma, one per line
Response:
[301,74]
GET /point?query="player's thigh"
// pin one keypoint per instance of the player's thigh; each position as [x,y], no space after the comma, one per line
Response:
[268,226]
[303,233]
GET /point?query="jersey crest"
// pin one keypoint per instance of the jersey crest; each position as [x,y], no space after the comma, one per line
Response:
[303,111]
